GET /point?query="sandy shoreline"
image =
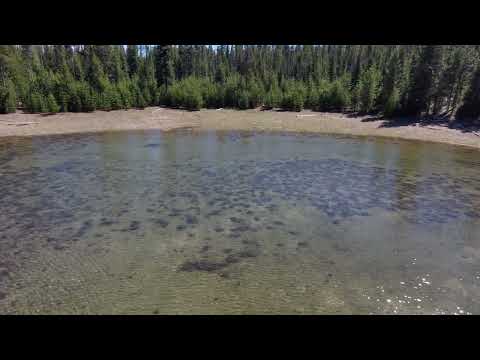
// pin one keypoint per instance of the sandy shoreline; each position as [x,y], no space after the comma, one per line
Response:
[19,124]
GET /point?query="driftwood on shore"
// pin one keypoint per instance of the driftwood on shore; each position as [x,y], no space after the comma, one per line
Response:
[23,123]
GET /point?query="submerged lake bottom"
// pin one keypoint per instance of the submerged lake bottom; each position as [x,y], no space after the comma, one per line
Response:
[230,222]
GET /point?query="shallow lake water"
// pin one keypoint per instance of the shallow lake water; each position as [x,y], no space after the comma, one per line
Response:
[205,222]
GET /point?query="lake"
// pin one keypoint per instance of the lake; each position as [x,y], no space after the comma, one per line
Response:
[225,222]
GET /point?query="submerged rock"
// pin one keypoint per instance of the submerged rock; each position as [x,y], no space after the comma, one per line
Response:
[191,220]
[224,275]
[59,247]
[232,259]
[83,229]
[105,222]
[202,265]
[249,253]
[4,273]
[241,228]
[161,223]
[134,225]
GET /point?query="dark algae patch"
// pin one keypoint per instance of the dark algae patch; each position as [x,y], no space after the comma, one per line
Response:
[160,222]
[202,265]
[204,248]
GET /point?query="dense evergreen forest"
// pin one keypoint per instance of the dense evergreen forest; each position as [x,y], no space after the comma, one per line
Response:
[404,80]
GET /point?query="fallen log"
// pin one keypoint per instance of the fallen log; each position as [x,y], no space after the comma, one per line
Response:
[23,124]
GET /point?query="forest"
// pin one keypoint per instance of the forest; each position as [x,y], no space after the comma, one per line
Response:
[431,81]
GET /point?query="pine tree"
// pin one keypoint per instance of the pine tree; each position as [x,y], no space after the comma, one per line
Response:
[326,78]
[392,104]
[470,110]
[8,102]
[255,93]
[424,80]
[293,98]
[118,71]
[51,104]
[243,101]
[125,95]
[87,97]
[338,98]
[95,74]
[146,80]
[164,69]
[75,99]
[43,103]
[77,68]
[132,60]
[368,89]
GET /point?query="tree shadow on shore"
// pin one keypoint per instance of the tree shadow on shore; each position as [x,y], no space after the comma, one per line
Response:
[398,121]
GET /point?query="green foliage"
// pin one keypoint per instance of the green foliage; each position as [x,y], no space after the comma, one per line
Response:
[243,101]
[51,104]
[392,104]
[87,97]
[132,59]
[406,79]
[63,94]
[294,97]
[124,94]
[75,103]
[426,72]
[32,102]
[43,105]
[231,85]
[164,68]
[368,89]
[470,110]
[186,94]
[255,94]
[8,98]
[140,102]
[338,98]
[273,98]
[210,94]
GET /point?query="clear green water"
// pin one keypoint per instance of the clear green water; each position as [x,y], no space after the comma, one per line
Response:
[237,222]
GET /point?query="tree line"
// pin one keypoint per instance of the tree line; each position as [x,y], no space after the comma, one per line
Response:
[401,80]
